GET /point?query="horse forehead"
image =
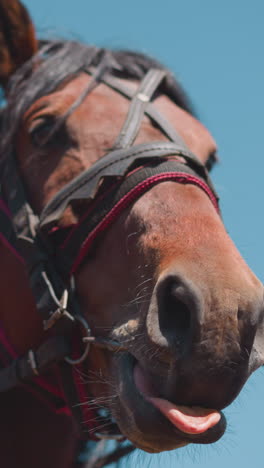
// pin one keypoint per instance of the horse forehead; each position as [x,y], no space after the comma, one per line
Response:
[103,101]
[195,134]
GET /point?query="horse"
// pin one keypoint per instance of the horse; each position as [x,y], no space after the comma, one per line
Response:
[126,310]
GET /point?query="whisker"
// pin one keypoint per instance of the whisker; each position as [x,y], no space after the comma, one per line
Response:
[99,427]
[143,282]
[97,404]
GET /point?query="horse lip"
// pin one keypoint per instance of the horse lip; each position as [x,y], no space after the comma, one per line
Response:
[136,398]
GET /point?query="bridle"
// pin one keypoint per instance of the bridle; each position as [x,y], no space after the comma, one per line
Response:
[53,255]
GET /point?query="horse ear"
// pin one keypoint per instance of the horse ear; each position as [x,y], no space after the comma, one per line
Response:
[18,42]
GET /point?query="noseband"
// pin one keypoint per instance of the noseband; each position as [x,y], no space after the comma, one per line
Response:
[54,255]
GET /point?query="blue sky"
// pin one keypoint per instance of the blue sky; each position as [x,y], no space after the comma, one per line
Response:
[216,51]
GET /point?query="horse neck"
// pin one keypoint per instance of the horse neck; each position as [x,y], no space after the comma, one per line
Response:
[18,316]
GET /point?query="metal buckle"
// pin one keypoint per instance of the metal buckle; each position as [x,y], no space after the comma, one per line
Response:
[143,97]
[59,313]
[87,330]
[32,362]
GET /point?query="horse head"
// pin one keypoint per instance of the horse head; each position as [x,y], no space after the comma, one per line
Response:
[157,273]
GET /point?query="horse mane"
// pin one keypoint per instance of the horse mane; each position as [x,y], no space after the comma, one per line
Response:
[59,60]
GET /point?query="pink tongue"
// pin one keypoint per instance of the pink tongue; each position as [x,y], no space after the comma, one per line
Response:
[191,420]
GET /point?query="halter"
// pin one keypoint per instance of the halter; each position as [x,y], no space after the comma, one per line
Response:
[53,255]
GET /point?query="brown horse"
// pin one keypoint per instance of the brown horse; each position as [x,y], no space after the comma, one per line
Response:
[175,313]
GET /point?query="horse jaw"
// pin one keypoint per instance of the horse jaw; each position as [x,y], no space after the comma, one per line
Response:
[207,372]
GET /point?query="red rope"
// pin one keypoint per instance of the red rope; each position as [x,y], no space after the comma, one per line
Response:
[135,193]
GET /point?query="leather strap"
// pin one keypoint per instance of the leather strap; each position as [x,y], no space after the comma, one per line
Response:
[115,164]
[137,108]
[34,363]
[68,248]
[156,117]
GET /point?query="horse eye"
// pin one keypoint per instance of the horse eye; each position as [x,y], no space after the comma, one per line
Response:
[41,131]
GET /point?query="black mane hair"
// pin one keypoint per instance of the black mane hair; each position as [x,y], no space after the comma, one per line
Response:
[57,61]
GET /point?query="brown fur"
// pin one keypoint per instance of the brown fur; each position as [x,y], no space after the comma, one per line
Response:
[171,233]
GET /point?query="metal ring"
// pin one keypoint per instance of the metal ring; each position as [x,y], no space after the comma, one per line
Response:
[87,330]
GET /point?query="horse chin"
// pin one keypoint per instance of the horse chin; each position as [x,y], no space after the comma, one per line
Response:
[143,423]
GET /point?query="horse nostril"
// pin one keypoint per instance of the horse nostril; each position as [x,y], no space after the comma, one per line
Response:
[175,316]
[178,312]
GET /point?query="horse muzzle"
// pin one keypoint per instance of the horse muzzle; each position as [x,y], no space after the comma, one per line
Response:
[209,347]
[194,365]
